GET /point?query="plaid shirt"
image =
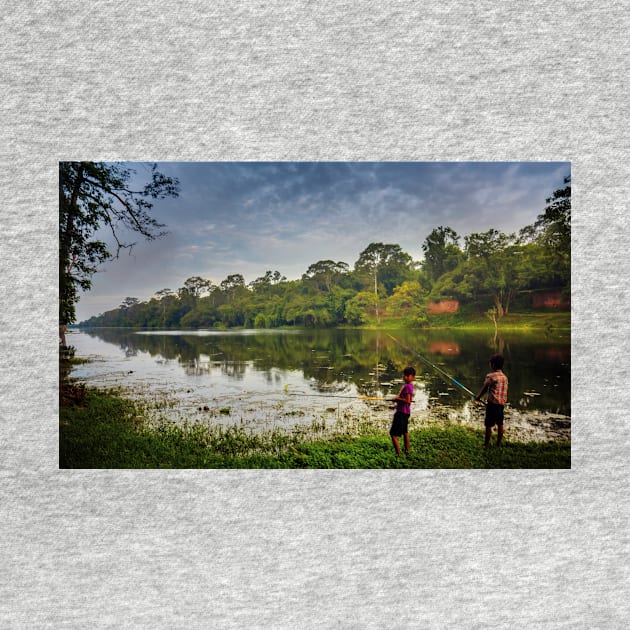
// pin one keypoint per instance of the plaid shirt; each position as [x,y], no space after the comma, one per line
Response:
[497,383]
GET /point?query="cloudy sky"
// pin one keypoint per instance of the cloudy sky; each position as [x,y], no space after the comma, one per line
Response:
[250,217]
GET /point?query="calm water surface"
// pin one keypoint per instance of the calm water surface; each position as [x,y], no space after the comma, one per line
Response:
[264,379]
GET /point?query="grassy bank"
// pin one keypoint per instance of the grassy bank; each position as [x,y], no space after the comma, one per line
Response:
[100,429]
[535,320]
[467,319]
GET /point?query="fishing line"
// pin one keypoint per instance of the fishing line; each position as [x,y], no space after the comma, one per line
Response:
[435,367]
[330,396]
[334,396]
[203,405]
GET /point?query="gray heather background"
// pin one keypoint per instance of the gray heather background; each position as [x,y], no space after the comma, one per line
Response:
[314,81]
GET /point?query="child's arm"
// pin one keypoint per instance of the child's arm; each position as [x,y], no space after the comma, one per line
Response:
[406,397]
[484,389]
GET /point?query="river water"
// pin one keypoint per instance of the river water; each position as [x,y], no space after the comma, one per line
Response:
[284,379]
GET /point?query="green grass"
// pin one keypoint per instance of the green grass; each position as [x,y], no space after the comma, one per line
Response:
[522,321]
[469,320]
[105,430]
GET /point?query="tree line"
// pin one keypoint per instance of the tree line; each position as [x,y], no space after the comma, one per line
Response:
[486,271]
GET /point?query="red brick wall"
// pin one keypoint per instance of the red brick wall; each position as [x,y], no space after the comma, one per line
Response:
[443,306]
[548,299]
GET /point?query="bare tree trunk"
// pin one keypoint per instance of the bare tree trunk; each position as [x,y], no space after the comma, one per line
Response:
[499,307]
[65,239]
[378,319]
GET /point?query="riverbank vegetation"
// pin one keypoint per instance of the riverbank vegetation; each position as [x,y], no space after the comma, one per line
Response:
[488,278]
[101,429]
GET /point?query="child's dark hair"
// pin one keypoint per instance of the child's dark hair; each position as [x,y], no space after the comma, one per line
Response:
[409,371]
[497,361]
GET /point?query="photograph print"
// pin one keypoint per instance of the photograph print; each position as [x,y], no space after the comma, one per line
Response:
[378,315]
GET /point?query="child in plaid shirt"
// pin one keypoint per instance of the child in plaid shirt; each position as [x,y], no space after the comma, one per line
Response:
[496,384]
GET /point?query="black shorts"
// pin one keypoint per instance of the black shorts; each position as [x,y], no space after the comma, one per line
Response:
[400,425]
[494,415]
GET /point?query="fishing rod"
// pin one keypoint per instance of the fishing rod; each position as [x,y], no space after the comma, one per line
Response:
[302,394]
[336,396]
[332,396]
[435,367]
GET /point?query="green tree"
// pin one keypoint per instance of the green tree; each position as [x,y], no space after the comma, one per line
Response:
[128,302]
[197,286]
[233,286]
[441,252]
[552,232]
[94,195]
[261,321]
[324,274]
[360,307]
[266,282]
[493,267]
[164,295]
[408,296]
[460,283]
[203,314]
[383,263]
[553,227]
[336,303]
[128,311]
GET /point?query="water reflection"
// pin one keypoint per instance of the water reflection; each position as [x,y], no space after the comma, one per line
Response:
[367,363]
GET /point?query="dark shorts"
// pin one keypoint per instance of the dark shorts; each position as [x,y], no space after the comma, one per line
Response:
[494,415]
[400,424]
